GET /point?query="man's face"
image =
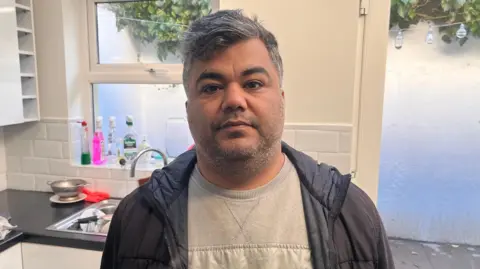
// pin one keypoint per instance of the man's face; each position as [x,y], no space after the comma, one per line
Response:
[235,105]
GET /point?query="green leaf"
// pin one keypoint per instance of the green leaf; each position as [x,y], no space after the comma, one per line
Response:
[401,11]
[446,5]
[411,14]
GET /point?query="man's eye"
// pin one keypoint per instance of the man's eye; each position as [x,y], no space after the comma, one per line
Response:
[209,89]
[253,85]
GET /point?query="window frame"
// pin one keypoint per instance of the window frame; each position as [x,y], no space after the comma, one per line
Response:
[127,73]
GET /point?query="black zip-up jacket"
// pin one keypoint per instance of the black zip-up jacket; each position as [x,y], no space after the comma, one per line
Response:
[149,228]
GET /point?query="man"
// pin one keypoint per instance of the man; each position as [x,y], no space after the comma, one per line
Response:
[242,198]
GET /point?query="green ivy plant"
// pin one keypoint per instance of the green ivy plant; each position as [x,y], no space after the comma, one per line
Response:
[161,22]
[405,13]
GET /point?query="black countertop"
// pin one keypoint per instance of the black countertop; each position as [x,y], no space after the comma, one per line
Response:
[32,212]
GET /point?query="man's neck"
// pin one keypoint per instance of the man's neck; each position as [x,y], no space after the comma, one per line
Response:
[242,175]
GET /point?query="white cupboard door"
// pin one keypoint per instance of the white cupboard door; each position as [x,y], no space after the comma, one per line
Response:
[36,256]
[11,258]
[11,106]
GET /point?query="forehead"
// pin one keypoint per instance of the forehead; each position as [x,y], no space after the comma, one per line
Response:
[235,59]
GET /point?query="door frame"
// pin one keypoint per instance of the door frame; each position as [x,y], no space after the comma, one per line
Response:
[368,96]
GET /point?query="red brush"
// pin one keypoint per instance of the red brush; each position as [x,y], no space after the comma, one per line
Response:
[95,197]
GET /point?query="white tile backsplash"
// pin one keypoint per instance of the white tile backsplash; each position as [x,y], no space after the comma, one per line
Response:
[39,152]
[33,165]
[3,161]
[312,154]
[16,147]
[3,182]
[120,174]
[115,188]
[62,168]
[14,164]
[57,132]
[42,180]
[65,150]
[21,181]
[131,186]
[345,142]
[320,141]
[94,172]
[48,149]
[340,160]
[289,137]
[27,131]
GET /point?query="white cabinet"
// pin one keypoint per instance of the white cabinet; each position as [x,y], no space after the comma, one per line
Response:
[11,258]
[36,256]
[11,107]
[18,71]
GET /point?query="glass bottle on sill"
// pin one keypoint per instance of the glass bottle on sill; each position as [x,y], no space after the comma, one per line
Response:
[85,158]
[98,143]
[130,141]
[112,141]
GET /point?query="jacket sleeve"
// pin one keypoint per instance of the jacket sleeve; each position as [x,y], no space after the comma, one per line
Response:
[110,252]
[359,233]
[385,259]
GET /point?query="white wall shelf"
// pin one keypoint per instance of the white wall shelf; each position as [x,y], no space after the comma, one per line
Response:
[29,97]
[18,68]
[27,75]
[25,52]
[22,30]
[21,8]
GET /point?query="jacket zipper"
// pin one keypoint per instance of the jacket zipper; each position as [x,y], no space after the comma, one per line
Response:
[168,235]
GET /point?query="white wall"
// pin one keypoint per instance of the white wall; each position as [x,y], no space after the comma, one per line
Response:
[3,164]
[318,41]
[429,185]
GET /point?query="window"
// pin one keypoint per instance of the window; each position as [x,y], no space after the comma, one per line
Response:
[140,32]
[135,66]
[158,112]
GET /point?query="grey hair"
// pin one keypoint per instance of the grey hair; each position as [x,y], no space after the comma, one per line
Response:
[219,31]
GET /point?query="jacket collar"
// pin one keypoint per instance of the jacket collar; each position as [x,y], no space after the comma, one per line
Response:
[325,183]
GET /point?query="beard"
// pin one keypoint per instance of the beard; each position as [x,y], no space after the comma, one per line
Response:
[257,144]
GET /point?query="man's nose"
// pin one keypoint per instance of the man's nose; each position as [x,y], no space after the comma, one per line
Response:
[234,98]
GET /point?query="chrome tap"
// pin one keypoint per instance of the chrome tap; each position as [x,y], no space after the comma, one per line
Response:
[134,162]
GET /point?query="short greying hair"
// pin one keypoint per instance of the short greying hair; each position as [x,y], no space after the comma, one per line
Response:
[219,31]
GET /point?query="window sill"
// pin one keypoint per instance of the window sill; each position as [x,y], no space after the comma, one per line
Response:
[140,166]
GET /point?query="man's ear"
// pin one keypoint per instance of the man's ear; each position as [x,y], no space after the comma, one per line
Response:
[283,94]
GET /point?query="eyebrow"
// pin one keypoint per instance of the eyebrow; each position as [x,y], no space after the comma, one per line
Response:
[210,75]
[255,70]
[217,76]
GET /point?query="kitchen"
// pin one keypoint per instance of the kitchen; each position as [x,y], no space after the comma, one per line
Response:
[41,134]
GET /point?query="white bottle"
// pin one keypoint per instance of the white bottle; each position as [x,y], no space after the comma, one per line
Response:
[130,141]
[112,141]
[147,157]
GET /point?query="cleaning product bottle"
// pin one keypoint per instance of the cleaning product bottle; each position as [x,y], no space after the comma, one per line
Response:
[147,157]
[85,159]
[98,142]
[130,141]
[112,141]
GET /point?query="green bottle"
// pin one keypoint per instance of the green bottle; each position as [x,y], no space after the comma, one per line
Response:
[85,158]
[130,141]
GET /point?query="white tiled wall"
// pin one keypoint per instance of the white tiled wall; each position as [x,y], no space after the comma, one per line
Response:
[329,144]
[40,152]
[3,163]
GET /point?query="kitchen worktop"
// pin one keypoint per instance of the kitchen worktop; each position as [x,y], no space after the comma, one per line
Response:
[32,212]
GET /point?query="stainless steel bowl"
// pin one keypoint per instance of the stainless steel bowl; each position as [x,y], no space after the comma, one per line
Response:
[67,188]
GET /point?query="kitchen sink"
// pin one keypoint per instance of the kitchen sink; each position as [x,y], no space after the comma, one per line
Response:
[93,227]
